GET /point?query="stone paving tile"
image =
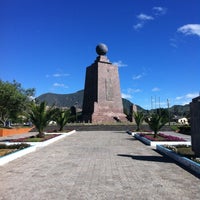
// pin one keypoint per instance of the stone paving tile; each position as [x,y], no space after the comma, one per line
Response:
[96,165]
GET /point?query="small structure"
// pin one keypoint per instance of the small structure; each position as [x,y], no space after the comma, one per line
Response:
[183,121]
[102,102]
[195,124]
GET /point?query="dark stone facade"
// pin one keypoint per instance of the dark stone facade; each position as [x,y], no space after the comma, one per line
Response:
[102,101]
[195,124]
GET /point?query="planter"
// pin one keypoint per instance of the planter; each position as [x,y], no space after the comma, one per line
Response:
[50,141]
[13,131]
[154,143]
[180,159]
[33,147]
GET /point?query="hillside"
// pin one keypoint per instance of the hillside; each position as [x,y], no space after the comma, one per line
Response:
[179,110]
[63,100]
[76,99]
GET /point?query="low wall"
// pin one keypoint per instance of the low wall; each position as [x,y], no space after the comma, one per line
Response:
[14,131]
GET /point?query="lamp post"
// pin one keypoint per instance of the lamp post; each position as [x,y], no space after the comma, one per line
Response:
[168,111]
[75,106]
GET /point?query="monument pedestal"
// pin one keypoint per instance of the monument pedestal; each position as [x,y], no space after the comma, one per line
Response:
[195,125]
[102,101]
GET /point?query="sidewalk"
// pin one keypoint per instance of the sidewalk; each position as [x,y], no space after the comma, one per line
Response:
[96,165]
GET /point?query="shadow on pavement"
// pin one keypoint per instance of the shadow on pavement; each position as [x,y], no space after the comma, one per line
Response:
[131,139]
[147,158]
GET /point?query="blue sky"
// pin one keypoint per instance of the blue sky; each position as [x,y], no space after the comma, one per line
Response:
[47,45]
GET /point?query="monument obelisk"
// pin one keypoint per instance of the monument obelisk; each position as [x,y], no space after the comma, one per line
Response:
[102,102]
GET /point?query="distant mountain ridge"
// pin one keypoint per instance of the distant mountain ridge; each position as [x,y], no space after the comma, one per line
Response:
[76,99]
[63,100]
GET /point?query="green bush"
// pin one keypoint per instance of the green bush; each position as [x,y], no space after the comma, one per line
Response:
[14,146]
[184,129]
[174,127]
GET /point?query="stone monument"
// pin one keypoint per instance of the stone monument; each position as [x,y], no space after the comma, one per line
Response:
[195,125]
[102,102]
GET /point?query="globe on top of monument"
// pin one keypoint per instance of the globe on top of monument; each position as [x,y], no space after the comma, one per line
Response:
[101,49]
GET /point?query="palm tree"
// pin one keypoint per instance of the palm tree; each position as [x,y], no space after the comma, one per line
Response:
[156,122]
[139,118]
[62,117]
[40,116]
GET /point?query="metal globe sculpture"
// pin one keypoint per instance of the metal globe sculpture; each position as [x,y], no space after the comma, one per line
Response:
[101,49]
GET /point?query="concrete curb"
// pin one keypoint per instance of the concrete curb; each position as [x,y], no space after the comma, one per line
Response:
[180,159]
[48,142]
[17,154]
[32,148]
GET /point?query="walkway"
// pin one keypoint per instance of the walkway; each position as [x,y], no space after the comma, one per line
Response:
[96,166]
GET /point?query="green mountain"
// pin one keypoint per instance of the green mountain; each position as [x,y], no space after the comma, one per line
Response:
[74,99]
[179,110]
[63,100]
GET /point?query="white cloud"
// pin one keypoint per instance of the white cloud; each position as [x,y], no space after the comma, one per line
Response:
[59,75]
[186,99]
[126,96]
[137,77]
[130,90]
[60,85]
[159,10]
[138,26]
[179,98]
[156,89]
[192,95]
[190,29]
[173,42]
[129,93]
[145,17]
[120,64]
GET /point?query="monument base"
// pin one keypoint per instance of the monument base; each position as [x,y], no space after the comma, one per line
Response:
[104,115]
[108,118]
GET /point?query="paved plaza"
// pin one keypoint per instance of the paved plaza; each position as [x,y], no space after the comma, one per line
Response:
[96,165]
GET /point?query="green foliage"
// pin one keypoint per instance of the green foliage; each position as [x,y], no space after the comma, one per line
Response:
[139,118]
[14,146]
[174,127]
[40,116]
[164,113]
[156,122]
[185,129]
[178,110]
[61,117]
[13,100]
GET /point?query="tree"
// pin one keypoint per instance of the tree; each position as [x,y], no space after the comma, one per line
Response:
[62,117]
[139,118]
[40,116]
[13,100]
[156,122]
